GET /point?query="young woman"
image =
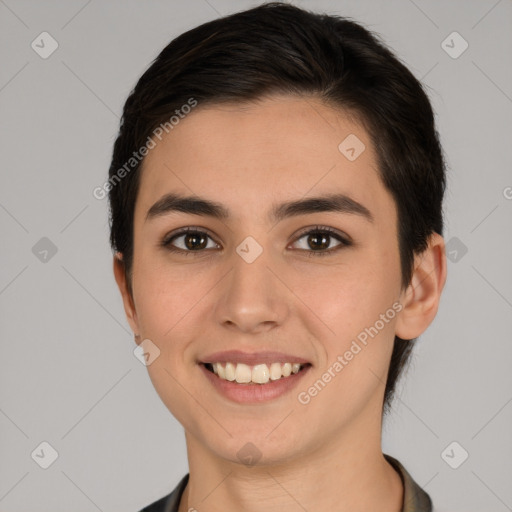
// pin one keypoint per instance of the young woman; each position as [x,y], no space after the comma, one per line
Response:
[276,195]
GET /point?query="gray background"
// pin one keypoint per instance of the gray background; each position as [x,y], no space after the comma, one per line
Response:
[68,373]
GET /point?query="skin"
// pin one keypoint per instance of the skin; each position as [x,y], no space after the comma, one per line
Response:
[325,455]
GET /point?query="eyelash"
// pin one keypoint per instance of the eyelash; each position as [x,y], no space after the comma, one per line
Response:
[344,242]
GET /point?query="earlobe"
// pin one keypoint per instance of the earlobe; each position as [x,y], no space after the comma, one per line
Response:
[421,298]
[121,280]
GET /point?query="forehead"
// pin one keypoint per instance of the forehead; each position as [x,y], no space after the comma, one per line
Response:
[248,156]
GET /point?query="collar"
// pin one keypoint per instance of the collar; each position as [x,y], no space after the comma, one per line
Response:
[415,498]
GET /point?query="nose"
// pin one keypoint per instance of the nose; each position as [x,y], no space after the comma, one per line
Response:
[252,298]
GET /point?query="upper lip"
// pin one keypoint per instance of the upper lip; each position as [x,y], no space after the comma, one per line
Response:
[266,357]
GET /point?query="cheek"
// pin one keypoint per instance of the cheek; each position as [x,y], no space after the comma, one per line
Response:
[360,312]
[362,324]
[359,304]
[167,304]
[163,295]
[353,297]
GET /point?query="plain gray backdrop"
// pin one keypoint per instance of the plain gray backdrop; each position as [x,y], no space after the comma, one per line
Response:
[69,377]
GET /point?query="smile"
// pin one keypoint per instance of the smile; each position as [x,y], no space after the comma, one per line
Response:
[251,384]
[258,374]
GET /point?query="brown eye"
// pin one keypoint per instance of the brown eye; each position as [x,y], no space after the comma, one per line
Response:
[317,241]
[188,240]
[195,241]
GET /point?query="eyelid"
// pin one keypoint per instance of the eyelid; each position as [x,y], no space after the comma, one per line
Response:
[343,238]
[183,231]
[324,229]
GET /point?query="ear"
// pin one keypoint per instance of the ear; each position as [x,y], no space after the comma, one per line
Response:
[121,280]
[421,298]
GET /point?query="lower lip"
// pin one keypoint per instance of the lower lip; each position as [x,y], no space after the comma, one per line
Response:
[254,393]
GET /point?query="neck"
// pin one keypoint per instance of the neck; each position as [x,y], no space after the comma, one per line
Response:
[345,474]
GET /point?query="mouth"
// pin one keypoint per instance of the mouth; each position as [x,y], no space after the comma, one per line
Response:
[250,378]
[261,374]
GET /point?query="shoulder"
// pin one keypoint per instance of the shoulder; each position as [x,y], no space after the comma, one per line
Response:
[169,503]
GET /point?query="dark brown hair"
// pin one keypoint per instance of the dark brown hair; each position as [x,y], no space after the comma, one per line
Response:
[280,48]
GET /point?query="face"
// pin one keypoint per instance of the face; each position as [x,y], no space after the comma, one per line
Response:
[316,284]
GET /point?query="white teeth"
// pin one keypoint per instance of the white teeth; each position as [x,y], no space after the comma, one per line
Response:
[275,371]
[260,373]
[230,371]
[243,373]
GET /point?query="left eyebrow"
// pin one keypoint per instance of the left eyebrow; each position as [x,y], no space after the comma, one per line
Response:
[194,205]
[340,203]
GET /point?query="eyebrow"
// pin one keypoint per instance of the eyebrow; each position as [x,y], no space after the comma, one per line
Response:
[195,205]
